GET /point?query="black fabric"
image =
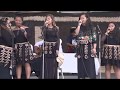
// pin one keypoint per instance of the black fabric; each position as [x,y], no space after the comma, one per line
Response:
[6,37]
[37,65]
[24,53]
[86,67]
[51,35]
[19,36]
[86,64]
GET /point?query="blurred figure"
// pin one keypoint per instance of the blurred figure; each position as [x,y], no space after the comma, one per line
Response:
[38,59]
[71,41]
[111,50]
[6,49]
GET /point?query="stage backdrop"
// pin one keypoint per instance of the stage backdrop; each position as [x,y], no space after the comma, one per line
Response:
[35,20]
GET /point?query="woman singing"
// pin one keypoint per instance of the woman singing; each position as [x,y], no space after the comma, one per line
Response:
[6,50]
[111,50]
[86,48]
[24,53]
[51,43]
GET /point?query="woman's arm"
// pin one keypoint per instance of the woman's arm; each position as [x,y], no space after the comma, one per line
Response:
[58,41]
[78,27]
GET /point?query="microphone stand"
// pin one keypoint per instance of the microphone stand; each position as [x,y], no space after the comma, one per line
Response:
[99,33]
[43,61]
[12,56]
[43,53]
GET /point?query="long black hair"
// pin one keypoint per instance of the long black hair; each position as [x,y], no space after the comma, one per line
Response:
[88,25]
[116,32]
[3,21]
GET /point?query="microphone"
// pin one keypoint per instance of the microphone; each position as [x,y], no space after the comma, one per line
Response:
[46,23]
[99,30]
[79,22]
[109,30]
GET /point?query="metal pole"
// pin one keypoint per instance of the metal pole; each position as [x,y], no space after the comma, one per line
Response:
[99,32]
[43,62]
[12,56]
[100,53]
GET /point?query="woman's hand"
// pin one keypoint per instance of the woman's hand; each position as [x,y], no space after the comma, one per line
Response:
[86,38]
[94,51]
[23,28]
[79,22]
[57,52]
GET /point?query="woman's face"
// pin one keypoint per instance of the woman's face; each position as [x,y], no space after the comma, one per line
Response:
[48,20]
[111,26]
[18,21]
[83,19]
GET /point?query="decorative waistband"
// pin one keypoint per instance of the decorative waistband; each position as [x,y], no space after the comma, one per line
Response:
[106,45]
[3,46]
[50,42]
[23,43]
[83,41]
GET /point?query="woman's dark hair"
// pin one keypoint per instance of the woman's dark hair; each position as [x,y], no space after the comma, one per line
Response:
[53,19]
[88,18]
[3,21]
[89,25]
[116,25]
[18,16]
[116,32]
[72,29]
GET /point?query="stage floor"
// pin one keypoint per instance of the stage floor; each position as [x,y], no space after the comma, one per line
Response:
[74,76]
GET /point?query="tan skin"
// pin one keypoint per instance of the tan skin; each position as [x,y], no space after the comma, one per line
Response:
[110,28]
[18,22]
[82,21]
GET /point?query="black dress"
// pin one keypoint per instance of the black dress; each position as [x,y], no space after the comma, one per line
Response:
[86,65]
[24,52]
[111,49]
[51,43]
[6,50]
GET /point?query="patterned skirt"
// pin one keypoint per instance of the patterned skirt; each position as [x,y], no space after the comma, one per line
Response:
[111,55]
[24,53]
[50,62]
[5,55]
[85,61]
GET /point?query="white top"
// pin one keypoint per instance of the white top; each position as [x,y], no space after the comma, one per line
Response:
[39,43]
[60,47]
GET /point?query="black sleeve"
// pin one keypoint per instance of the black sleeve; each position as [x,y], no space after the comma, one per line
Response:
[103,38]
[69,39]
[44,32]
[94,35]
[29,34]
[118,35]
[58,39]
[7,38]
